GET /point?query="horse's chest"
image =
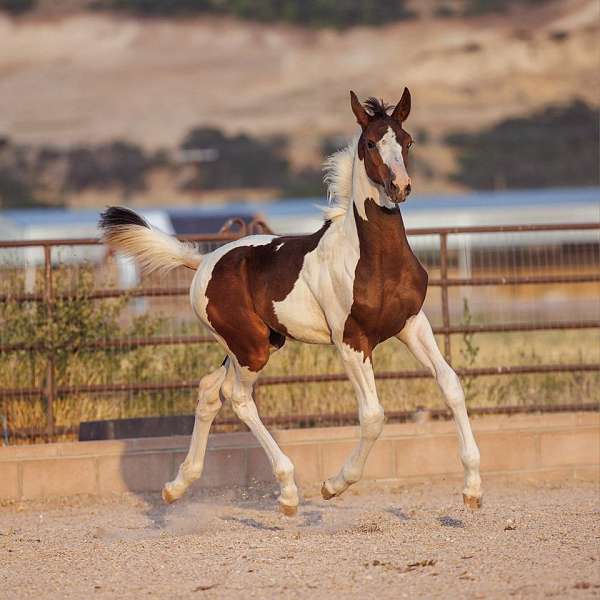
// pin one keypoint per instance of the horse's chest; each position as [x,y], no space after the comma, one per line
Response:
[389,285]
[387,291]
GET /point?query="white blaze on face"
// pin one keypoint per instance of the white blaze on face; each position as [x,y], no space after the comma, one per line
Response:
[391,154]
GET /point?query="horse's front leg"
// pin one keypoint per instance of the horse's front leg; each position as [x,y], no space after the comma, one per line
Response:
[419,338]
[370,413]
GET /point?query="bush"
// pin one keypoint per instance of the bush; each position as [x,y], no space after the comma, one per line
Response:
[240,161]
[482,7]
[117,164]
[16,191]
[17,184]
[336,13]
[17,7]
[557,146]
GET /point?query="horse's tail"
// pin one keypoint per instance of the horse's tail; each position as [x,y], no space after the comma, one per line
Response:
[153,250]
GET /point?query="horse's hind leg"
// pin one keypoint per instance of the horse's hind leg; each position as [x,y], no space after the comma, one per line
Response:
[238,389]
[207,408]
[419,338]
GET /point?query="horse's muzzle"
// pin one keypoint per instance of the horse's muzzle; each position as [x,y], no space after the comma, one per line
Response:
[395,194]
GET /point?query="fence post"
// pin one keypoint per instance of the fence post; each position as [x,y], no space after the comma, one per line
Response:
[50,391]
[444,289]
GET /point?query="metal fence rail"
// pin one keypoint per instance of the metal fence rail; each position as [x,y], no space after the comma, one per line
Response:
[445,282]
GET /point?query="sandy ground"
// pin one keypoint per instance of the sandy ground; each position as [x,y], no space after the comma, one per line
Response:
[406,542]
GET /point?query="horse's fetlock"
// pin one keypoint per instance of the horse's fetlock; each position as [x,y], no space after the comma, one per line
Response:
[284,469]
[190,472]
[352,474]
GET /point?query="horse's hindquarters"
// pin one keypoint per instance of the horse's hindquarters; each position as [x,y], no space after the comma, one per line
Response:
[203,276]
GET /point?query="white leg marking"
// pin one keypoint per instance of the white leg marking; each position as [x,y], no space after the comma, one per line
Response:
[370,413]
[419,338]
[207,408]
[238,388]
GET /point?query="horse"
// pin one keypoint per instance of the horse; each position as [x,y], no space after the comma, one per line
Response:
[354,283]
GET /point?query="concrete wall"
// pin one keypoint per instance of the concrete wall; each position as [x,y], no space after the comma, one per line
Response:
[537,447]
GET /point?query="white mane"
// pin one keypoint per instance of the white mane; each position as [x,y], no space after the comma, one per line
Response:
[338,179]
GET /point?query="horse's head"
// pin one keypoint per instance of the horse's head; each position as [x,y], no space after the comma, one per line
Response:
[383,144]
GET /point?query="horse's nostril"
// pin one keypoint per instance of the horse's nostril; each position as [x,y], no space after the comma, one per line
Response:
[407,189]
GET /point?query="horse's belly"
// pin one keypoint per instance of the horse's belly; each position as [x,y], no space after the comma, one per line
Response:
[301,316]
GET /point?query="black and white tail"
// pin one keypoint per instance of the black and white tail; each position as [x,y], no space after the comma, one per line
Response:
[153,250]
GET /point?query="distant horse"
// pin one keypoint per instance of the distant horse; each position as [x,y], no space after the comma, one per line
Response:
[354,283]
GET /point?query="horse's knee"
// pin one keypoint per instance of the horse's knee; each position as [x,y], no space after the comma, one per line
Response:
[451,387]
[371,424]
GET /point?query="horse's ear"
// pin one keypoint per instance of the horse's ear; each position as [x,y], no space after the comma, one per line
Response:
[360,113]
[402,109]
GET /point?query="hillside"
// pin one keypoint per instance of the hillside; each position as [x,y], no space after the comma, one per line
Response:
[90,78]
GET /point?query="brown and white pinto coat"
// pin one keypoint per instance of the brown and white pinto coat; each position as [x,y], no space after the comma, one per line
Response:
[354,283]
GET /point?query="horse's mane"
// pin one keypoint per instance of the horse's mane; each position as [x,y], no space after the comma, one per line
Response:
[338,179]
[377,108]
[338,167]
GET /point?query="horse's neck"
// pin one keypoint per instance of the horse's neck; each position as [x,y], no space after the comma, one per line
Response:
[366,219]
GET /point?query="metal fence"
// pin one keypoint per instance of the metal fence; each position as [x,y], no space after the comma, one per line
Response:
[473,264]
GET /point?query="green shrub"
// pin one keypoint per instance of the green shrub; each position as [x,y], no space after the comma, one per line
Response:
[482,7]
[117,164]
[557,146]
[240,161]
[318,13]
[17,7]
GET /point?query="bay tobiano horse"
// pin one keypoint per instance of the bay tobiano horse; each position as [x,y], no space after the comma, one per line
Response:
[354,284]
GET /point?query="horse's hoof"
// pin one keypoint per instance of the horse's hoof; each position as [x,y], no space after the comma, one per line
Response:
[287,510]
[473,502]
[327,495]
[167,496]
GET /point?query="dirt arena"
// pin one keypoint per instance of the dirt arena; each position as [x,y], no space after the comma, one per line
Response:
[406,542]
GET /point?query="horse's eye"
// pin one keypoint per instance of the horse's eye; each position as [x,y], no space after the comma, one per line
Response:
[371,144]
[409,145]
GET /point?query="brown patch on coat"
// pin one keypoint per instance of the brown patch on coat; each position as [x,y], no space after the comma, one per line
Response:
[244,284]
[390,283]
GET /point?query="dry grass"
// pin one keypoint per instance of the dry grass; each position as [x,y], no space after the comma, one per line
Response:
[396,395]
[177,363]
[80,320]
